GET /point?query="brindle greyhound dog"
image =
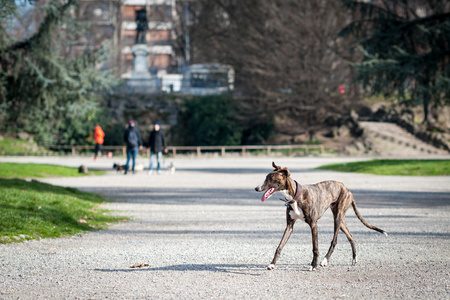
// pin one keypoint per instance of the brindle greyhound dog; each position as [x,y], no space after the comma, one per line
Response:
[308,203]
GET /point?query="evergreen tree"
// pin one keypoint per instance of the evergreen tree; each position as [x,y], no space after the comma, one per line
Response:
[209,121]
[406,48]
[43,91]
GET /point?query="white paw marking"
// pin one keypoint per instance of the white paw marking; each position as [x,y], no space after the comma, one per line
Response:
[312,269]
[271,267]
[324,262]
[355,260]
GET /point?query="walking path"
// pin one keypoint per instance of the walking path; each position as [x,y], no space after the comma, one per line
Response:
[205,234]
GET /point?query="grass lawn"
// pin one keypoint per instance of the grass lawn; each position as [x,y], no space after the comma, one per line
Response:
[15,146]
[16,170]
[33,210]
[394,167]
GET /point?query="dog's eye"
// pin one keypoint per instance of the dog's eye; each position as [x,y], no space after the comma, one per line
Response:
[274,177]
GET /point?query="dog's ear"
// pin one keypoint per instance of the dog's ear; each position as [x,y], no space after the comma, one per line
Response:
[285,171]
[275,166]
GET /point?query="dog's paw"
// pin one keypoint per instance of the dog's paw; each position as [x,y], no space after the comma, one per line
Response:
[271,267]
[311,268]
[354,261]
[324,262]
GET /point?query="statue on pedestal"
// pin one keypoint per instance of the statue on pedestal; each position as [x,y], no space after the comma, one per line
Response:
[141,80]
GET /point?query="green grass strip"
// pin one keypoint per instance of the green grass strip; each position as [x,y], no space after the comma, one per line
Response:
[394,167]
[28,170]
[17,146]
[34,210]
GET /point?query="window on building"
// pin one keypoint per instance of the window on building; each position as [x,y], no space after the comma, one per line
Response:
[160,13]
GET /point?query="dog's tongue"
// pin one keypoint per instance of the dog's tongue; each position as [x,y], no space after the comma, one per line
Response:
[267,194]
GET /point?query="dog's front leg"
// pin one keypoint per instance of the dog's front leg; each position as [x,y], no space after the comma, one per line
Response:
[284,239]
[315,242]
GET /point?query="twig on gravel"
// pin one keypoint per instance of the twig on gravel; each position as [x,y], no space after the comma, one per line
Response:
[140,265]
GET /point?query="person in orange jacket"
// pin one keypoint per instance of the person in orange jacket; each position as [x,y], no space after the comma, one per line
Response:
[99,136]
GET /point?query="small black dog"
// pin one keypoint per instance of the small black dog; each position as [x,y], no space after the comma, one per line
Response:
[119,168]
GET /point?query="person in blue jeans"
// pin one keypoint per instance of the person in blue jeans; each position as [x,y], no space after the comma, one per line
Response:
[133,141]
[157,144]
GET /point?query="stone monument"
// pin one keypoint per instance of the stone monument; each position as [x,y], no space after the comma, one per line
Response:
[141,80]
[140,69]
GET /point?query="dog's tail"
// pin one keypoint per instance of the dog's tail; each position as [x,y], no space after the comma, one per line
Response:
[360,217]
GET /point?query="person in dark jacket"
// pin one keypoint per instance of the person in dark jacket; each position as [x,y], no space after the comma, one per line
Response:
[157,144]
[133,141]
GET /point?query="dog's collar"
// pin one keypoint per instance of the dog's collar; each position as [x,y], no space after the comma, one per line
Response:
[299,191]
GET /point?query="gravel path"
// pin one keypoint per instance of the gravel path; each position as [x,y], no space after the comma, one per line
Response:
[205,234]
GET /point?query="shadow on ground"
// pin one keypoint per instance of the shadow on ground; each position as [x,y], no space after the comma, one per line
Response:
[203,196]
[263,171]
[255,270]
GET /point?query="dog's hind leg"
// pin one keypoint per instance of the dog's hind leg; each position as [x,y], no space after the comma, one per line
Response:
[337,226]
[345,230]
[284,239]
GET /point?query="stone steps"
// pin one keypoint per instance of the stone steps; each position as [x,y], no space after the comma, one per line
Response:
[390,139]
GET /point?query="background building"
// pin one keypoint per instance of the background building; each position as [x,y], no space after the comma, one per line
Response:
[114,22]
[160,16]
